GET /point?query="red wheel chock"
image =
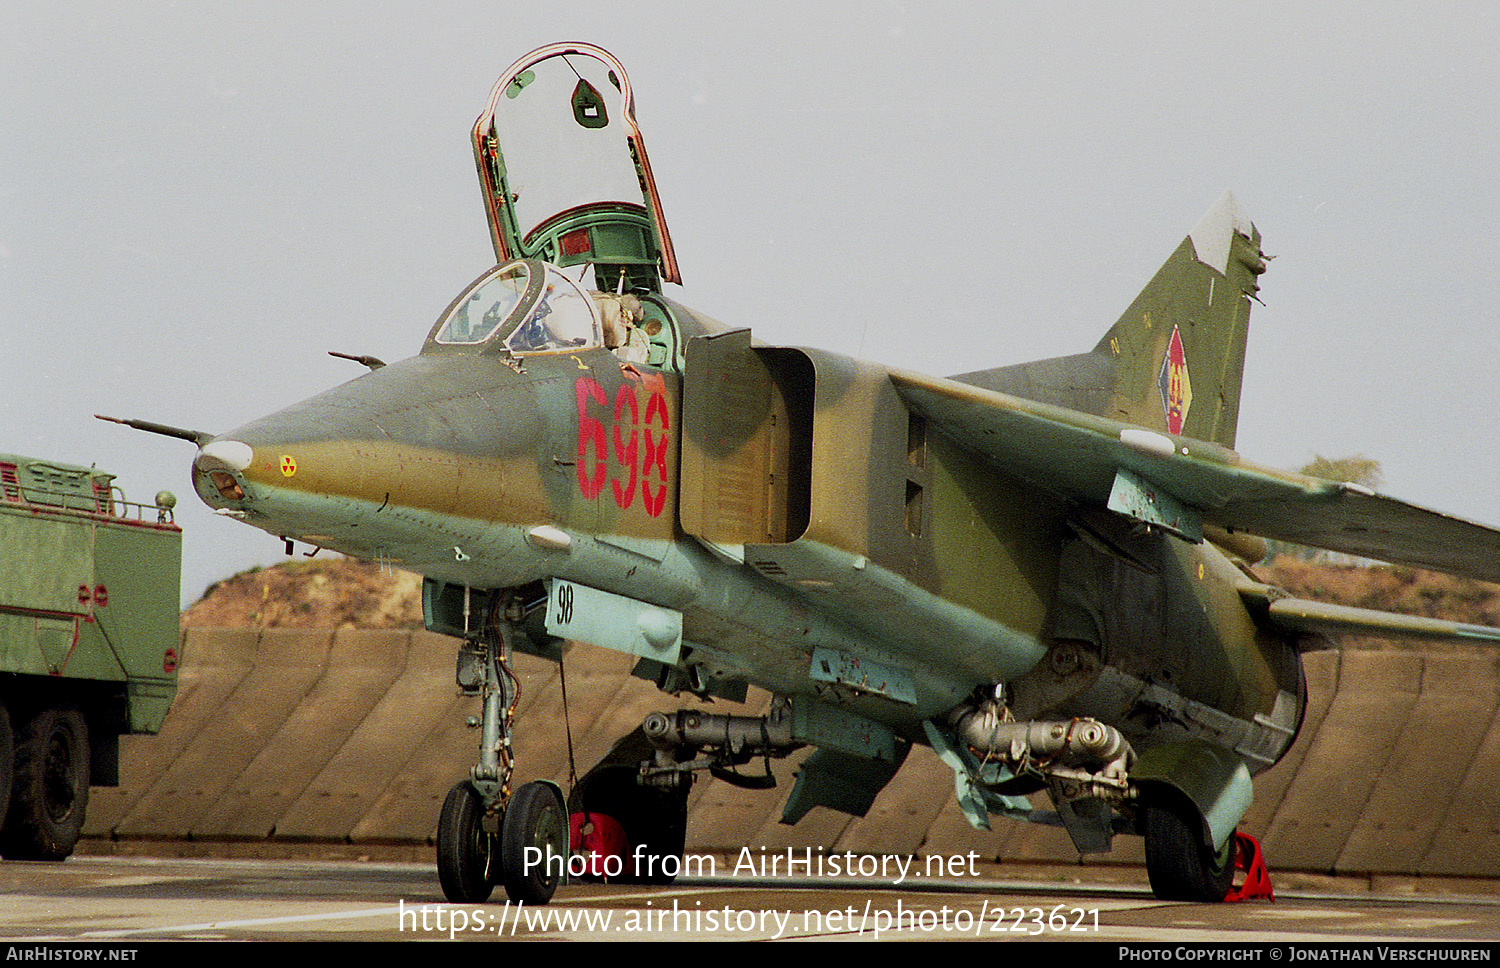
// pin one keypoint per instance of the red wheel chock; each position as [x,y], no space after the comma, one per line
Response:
[1250,859]
[600,840]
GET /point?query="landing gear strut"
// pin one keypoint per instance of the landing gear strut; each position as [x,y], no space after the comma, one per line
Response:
[487,833]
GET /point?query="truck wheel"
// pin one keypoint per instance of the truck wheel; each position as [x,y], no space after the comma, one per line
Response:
[50,789]
[7,761]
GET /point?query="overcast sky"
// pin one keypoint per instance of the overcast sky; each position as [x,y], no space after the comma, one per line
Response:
[198,201]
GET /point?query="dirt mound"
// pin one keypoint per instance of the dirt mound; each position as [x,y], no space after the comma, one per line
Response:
[1388,588]
[317,593]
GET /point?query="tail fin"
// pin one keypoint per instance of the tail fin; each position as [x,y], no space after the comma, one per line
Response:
[1175,359]
[1179,350]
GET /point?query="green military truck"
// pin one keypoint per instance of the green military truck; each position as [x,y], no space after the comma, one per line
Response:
[88,642]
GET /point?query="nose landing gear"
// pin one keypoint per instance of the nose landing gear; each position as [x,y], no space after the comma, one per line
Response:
[487,833]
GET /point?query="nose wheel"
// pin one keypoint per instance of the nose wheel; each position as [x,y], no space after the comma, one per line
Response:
[522,845]
[533,844]
[465,849]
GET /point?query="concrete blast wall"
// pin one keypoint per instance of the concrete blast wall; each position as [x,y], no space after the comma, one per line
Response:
[355,737]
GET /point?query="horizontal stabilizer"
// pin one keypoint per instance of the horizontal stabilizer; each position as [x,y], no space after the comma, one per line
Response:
[1304,615]
[1079,457]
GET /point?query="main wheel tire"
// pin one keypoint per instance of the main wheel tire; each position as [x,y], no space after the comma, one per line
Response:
[1180,866]
[465,852]
[49,791]
[533,844]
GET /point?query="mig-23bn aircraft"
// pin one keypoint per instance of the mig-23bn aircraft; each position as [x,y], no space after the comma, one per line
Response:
[1041,571]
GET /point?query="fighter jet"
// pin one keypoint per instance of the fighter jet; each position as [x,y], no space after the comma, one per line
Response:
[1043,571]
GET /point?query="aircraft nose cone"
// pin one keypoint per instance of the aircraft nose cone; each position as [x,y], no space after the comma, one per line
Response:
[224,455]
[218,471]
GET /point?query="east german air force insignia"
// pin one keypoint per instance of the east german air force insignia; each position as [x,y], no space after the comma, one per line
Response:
[1176,388]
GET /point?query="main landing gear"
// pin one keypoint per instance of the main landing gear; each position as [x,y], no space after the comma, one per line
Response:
[1180,866]
[489,834]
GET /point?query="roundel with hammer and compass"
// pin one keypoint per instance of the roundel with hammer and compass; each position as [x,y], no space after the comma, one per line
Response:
[1176,388]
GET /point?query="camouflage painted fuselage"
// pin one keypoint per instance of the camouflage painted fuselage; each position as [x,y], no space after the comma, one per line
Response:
[791,505]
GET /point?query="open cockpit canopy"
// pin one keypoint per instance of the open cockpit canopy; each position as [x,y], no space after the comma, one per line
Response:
[521,307]
[564,170]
